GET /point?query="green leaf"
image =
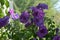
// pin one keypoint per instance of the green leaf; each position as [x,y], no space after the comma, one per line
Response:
[7,4]
[0,10]
[2,2]
[1,14]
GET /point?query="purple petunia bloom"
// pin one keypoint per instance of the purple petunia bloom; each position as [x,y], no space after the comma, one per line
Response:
[15,16]
[24,17]
[42,6]
[57,37]
[38,13]
[4,21]
[42,32]
[34,9]
[38,21]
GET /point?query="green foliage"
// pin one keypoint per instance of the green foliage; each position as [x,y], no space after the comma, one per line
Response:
[1,14]
[17,31]
[6,3]
[2,3]
[51,28]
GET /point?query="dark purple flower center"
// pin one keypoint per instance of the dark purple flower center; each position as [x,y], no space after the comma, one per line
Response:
[35,13]
[42,31]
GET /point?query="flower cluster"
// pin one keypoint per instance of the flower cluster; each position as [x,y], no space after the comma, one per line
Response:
[5,20]
[38,19]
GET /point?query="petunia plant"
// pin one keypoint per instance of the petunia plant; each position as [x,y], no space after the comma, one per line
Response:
[31,24]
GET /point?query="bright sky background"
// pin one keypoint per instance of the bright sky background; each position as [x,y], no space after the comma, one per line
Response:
[57,6]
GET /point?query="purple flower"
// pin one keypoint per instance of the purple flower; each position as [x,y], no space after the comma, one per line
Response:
[11,11]
[57,37]
[13,15]
[4,21]
[38,15]
[34,9]
[42,6]
[42,32]
[37,12]
[38,21]
[24,17]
